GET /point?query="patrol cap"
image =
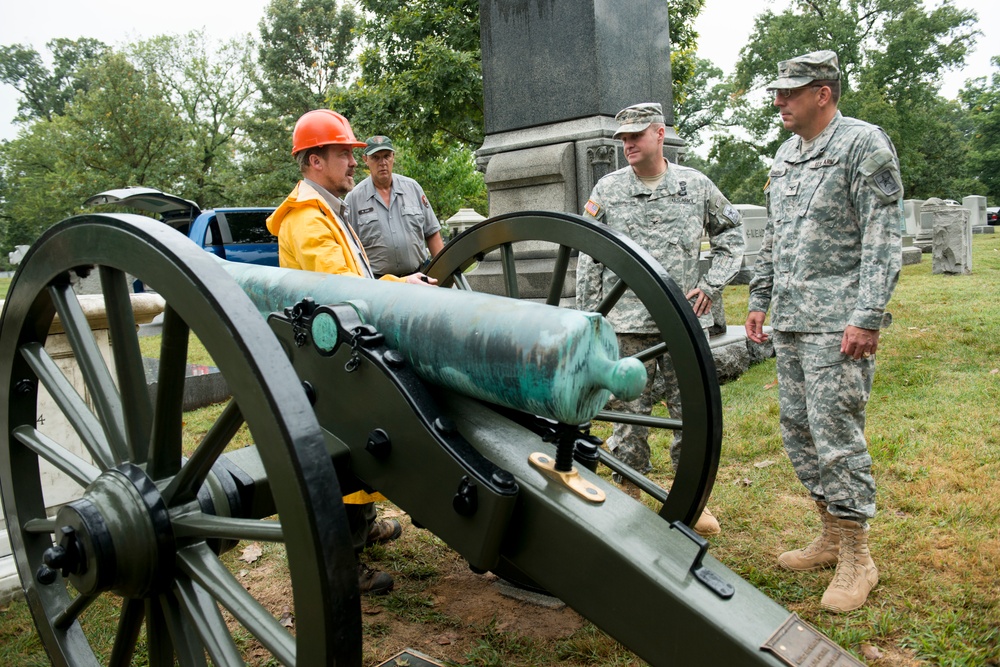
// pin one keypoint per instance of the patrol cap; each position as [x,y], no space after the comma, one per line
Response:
[378,143]
[803,70]
[638,117]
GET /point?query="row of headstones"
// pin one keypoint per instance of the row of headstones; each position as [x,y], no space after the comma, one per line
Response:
[919,220]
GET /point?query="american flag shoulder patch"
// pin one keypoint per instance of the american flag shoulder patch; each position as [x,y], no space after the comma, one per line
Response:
[592,207]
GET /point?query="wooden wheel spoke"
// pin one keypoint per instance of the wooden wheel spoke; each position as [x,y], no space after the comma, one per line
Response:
[73,407]
[187,644]
[96,374]
[207,621]
[202,566]
[651,352]
[509,271]
[127,635]
[128,362]
[185,485]
[81,471]
[69,615]
[165,442]
[612,298]
[639,420]
[559,271]
[161,652]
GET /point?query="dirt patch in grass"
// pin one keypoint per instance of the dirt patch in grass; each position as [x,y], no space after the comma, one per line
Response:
[438,606]
[471,607]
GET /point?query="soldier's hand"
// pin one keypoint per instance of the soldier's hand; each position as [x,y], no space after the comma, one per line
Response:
[700,301]
[755,326]
[859,343]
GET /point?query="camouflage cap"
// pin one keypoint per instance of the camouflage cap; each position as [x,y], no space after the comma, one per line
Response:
[803,70]
[638,117]
[378,143]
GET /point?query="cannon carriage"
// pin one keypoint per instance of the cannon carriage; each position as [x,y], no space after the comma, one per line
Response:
[467,411]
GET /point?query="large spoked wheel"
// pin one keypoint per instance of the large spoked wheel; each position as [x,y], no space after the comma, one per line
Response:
[701,427]
[142,538]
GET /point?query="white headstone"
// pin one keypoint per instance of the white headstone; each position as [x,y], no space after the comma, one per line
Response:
[911,216]
[754,221]
[977,209]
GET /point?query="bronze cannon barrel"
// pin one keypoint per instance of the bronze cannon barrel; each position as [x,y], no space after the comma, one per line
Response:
[558,363]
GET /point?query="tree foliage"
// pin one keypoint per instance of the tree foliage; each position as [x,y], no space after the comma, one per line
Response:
[212,92]
[981,99]
[892,55]
[304,57]
[121,131]
[44,91]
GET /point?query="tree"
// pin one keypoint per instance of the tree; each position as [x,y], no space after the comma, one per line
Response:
[122,131]
[701,103]
[421,74]
[304,57]
[892,54]
[45,92]
[981,99]
[736,167]
[212,92]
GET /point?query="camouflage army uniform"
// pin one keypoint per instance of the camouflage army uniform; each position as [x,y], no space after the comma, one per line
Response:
[667,222]
[830,258]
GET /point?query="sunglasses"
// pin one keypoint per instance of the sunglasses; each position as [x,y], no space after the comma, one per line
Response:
[788,93]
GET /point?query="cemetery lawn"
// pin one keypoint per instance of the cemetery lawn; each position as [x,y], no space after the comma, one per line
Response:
[933,432]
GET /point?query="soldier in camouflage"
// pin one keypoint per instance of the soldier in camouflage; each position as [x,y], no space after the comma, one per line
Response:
[665,208]
[828,263]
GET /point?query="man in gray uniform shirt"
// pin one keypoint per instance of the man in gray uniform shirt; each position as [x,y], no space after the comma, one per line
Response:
[391,215]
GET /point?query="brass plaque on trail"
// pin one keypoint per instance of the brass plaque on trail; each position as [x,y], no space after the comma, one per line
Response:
[799,644]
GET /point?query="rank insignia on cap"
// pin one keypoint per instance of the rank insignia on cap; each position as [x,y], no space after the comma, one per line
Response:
[592,207]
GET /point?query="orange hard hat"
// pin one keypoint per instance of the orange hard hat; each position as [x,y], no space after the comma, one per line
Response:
[322,127]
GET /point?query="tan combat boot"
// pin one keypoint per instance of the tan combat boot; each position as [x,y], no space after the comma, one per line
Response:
[856,574]
[821,552]
[707,524]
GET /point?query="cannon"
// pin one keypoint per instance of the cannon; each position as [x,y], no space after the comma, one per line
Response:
[470,412]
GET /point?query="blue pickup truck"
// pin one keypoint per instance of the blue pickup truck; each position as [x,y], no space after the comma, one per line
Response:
[238,234]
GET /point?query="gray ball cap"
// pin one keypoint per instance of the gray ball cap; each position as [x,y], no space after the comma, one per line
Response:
[638,117]
[378,143]
[803,70]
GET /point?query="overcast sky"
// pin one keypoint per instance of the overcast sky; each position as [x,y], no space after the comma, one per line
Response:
[723,25]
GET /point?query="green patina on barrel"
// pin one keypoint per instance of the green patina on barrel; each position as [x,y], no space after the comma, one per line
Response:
[554,362]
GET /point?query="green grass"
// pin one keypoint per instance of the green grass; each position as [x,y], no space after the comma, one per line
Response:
[934,434]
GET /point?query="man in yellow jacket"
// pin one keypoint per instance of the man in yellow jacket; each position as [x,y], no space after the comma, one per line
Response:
[313,235]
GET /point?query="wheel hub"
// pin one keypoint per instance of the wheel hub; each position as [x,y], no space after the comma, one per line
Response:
[117,537]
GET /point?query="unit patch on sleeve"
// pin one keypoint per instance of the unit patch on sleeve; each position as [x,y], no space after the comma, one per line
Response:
[423,198]
[885,181]
[592,207]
